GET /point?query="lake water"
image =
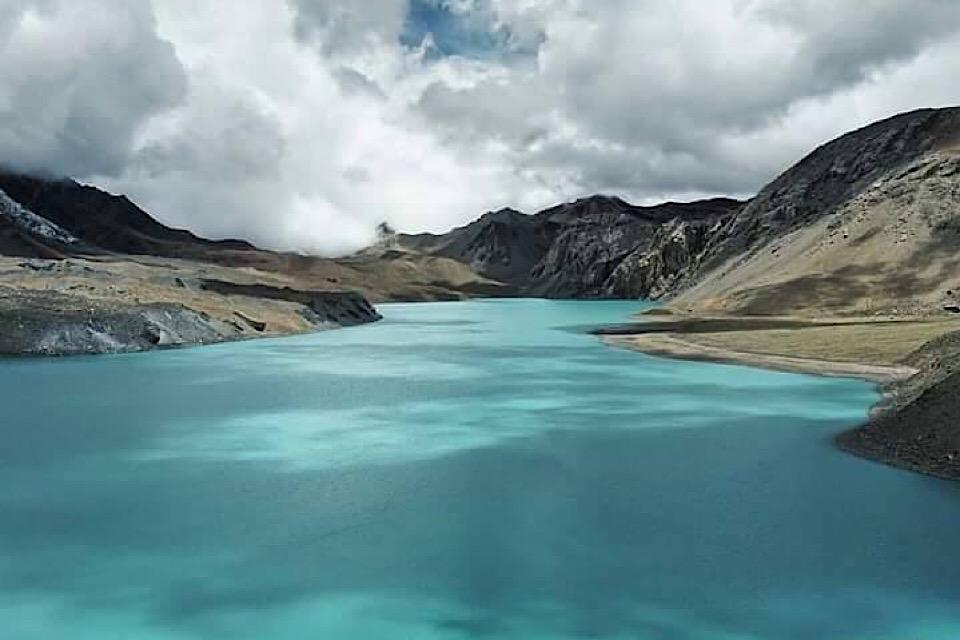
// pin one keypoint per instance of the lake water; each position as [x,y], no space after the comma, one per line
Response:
[460,470]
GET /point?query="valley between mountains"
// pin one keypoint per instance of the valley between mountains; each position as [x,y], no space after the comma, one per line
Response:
[846,264]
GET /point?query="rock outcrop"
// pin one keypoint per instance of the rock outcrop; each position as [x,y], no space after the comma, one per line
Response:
[41,323]
[501,245]
[76,306]
[918,427]
[654,271]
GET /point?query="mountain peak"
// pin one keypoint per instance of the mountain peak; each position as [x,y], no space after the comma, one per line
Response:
[505,214]
[100,220]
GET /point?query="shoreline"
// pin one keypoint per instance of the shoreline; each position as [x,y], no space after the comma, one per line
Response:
[670,346]
[910,427]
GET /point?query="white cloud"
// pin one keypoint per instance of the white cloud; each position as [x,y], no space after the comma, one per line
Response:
[303,124]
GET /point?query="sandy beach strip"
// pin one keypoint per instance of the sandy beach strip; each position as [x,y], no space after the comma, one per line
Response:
[672,346]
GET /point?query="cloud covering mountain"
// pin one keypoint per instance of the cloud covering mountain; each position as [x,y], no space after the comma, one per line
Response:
[302,124]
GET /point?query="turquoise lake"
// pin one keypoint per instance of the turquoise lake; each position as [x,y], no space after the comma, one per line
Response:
[482,469]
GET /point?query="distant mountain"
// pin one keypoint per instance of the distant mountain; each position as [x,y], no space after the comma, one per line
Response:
[102,222]
[599,246]
[503,245]
[60,218]
[25,234]
[868,223]
[87,272]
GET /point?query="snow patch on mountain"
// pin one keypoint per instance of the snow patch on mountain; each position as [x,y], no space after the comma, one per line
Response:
[32,223]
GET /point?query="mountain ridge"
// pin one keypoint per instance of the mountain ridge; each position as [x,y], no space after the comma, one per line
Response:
[863,195]
[572,250]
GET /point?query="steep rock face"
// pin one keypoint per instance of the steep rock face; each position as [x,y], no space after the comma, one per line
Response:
[653,271]
[503,245]
[601,241]
[865,224]
[583,256]
[587,248]
[592,237]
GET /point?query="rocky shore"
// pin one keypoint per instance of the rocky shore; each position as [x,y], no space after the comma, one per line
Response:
[83,271]
[913,427]
[74,306]
[846,264]
[919,427]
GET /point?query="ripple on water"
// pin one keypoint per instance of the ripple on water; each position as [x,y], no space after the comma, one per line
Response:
[480,469]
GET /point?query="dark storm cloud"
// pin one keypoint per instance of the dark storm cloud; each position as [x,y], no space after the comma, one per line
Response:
[659,85]
[302,124]
[78,79]
[842,42]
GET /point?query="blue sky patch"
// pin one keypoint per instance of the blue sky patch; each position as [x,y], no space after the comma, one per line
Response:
[454,34]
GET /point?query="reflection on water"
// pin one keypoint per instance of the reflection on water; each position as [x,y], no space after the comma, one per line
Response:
[461,470]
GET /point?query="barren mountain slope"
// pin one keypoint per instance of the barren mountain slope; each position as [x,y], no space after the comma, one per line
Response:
[95,273]
[866,224]
[59,218]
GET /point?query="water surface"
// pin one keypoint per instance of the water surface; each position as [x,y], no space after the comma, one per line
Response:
[460,470]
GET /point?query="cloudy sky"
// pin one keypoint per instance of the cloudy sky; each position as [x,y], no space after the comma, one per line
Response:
[300,124]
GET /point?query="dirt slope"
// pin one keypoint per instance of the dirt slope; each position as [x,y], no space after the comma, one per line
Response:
[869,223]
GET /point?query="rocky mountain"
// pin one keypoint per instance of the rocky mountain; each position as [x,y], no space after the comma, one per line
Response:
[595,247]
[24,233]
[865,229]
[102,221]
[60,218]
[85,271]
[866,224]
[62,292]
[503,245]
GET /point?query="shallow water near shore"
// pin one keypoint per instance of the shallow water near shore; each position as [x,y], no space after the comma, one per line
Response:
[481,469]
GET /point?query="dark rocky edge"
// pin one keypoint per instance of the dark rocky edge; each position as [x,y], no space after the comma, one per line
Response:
[47,323]
[100,275]
[340,308]
[917,427]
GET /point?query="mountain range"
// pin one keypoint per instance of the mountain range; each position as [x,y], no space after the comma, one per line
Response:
[596,247]
[865,229]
